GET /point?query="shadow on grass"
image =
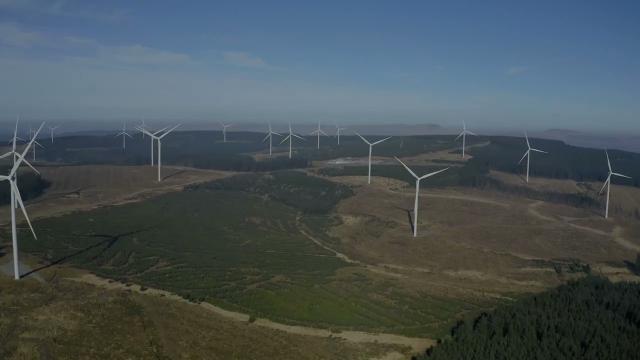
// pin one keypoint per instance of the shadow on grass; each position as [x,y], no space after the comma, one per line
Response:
[108,242]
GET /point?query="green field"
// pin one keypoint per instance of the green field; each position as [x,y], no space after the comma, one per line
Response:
[243,250]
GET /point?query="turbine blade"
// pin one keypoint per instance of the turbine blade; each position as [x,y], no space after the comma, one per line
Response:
[299,137]
[540,151]
[471,133]
[128,135]
[159,131]
[28,164]
[608,162]
[6,154]
[406,167]
[620,175]
[169,131]
[433,173]
[275,133]
[523,156]
[526,137]
[605,184]
[16,192]
[25,151]
[363,139]
[379,141]
[266,137]
[458,137]
[285,139]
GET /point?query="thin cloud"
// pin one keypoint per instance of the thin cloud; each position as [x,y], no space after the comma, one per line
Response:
[516,70]
[63,8]
[13,35]
[243,59]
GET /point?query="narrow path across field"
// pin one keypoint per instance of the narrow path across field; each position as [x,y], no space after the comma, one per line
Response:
[416,344]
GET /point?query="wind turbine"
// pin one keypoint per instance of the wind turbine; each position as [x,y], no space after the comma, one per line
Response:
[35,142]
[318,132]
[159,139]
[270,137]
[527,154]
[338,131]
[124,135]
[370,149]
[51,129]
[15,197]
[415,205]
[607,183]
[142,126]
[152,136]
[290,138]
[464,136]
[16,154]
[224,130]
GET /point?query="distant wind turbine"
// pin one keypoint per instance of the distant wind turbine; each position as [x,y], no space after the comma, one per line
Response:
[339,130]
[370,150]
[607,184]
[415,205]
[51,130]
[527,154]
[35,143]
[124,135]
[318,132]
[142,126]
[270,137]
[224,130]
[15,197]
[464,134]
[290,138]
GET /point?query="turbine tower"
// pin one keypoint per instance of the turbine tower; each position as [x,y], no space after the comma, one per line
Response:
[338,131]
[607,184]
[290,138]
[370,150]
[527,154]
[224,130]
[270,137]
[124,135]
[415,205]
[464,134]
[318,132]
[15,197]
[51,129]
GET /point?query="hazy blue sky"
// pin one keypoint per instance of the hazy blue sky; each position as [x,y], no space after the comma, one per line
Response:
[538,64]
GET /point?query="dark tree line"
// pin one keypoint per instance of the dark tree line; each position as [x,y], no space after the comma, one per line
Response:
[591,318]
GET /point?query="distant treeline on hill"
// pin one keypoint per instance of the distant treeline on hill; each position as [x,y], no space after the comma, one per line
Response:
[562,161]
[30,185]
[588,319]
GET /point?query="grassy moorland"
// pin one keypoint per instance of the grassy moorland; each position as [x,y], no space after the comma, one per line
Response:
[244,250]
[64,319]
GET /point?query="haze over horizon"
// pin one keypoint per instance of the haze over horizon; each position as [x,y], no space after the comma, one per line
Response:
[495,64]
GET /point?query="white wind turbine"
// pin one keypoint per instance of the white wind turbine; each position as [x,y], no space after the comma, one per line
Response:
[159,140]
[16,154]
[527,154]
[152,136]
[124,135]
[15,197]
[370,150]
[32,138]
[224,130]
[464,134]
[338,132]
[51,130]
[142,126]
[290,138]
[607,183]
[270,137]
[318,132]
[415,205]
